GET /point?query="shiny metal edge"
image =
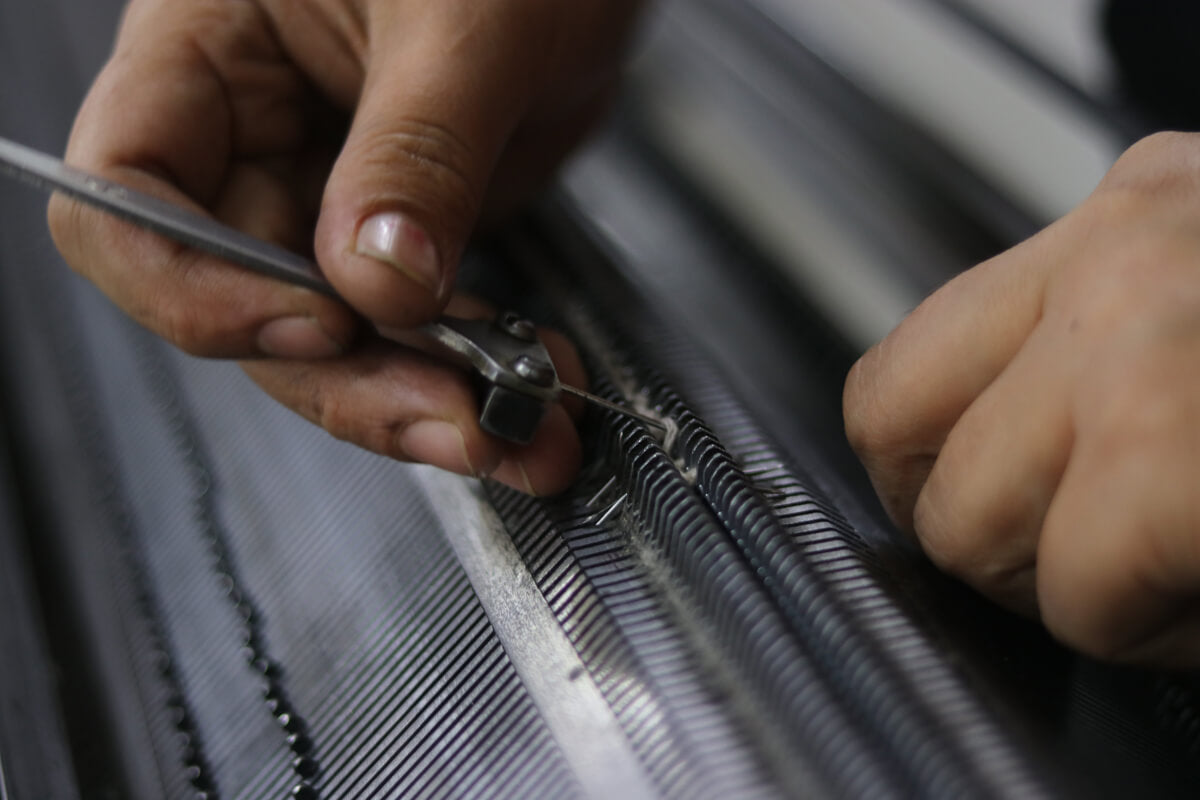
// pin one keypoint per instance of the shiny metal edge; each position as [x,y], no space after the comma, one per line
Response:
[578,717]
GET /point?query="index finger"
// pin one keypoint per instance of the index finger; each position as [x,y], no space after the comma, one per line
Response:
[904,395]
[164,118]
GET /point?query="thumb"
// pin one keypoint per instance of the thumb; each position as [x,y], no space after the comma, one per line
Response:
[407,188]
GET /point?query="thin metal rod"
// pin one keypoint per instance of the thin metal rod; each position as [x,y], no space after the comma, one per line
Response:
[612,510]
[170,220]
[611,406]
[603,490]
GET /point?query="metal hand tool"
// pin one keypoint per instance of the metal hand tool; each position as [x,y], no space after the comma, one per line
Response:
[518,375]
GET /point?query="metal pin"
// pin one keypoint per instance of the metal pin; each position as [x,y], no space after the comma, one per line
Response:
[772,493]
[612,510]
[603,491]
[611,406]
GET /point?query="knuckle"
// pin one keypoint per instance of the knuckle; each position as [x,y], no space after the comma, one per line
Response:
[1137,229]
[1157,162]
[179,323]
[896,462]
[865,428]
[190,312]
[329,411]
[944,543]
[341,418]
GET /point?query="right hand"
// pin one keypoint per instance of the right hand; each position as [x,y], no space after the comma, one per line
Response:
[458,110]
[1034,422]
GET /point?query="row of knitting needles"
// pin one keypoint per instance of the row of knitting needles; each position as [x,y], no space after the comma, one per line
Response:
[602,501]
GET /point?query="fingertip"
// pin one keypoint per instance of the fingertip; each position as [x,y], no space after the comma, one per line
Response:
[384,265]
[398,242]
[443,444]
[297,337]
[512,473]
[548,465]
[60,221]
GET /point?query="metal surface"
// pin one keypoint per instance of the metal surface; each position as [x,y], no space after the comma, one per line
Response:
[786,603]
[558,681]
[514,399]
[174,222]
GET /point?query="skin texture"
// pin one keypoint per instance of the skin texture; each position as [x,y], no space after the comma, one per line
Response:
[350,118]
[1036,422]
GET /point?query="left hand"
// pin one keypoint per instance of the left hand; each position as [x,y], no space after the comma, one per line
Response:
[1036,422]
[392,128]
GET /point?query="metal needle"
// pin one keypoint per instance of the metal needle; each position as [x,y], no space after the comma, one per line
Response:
[611,406]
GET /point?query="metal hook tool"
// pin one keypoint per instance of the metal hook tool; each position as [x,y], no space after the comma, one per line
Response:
[519,376]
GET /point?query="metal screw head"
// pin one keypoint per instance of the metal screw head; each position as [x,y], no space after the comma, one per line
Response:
[517,326]
[534,370]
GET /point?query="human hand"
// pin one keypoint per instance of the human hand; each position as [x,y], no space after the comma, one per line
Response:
[460,109]
[1036,422]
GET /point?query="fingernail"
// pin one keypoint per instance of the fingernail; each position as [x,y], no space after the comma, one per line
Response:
[527,484]
[512,473]
[439,443]
[296,338]
[392,239]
